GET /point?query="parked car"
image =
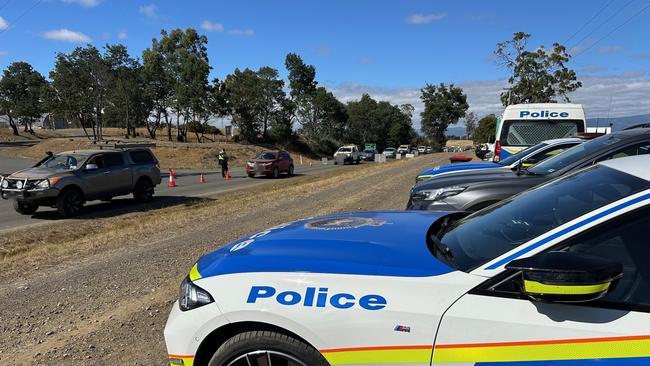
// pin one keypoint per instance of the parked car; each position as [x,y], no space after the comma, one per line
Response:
[472,191]
[422,149]
[404,149]
[429,149]
[270,163]
[368,155]
[556,276]
[520,160]
[347,154]
[67,180]
[390,153]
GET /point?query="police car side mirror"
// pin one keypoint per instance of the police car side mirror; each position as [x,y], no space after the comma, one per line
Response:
[565,276]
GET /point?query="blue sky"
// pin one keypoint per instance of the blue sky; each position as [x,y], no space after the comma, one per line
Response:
[386,48]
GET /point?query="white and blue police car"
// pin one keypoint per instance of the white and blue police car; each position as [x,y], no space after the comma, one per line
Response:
[558,275]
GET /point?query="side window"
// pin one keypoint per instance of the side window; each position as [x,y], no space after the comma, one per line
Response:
[141,156]
[97,160]
[543,155]
[626,241]
[623,240]
[636,149]
[112,160]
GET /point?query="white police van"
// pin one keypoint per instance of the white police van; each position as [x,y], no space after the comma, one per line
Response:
[556,276]
[524,125]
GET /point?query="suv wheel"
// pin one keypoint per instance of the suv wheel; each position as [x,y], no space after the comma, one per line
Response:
[143,191]
[25,208]
[276,172]
[290,171]
[69,203]
[266,348]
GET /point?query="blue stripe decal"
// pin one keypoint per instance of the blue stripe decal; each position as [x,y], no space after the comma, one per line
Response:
[631,361]
[567,230]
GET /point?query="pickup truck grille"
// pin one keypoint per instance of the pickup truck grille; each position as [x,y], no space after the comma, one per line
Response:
[13,184]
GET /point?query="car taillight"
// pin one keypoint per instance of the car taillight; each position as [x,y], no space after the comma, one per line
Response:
[497,151]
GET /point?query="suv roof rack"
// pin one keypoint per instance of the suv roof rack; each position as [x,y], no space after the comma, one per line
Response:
[125,145]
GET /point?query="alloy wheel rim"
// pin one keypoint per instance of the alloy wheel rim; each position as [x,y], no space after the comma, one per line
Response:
[266,358]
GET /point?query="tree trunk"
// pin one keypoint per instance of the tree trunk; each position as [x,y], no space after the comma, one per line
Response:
[12,123]
[169,127]
[83,126]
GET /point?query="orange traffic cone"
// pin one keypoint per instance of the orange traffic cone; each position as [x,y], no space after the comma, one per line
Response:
[228,176]
[172,173]
[202,179]
[172,183]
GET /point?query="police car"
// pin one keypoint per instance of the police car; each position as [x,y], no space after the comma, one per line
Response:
[558,275]
[526,158]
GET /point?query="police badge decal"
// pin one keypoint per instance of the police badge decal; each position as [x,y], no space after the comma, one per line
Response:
[342,223]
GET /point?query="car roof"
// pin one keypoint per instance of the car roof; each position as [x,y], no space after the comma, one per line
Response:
[633,165]
[563,140]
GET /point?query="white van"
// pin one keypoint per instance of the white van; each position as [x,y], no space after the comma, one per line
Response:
[524,125]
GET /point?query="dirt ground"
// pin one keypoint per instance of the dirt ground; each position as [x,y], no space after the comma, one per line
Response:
[99,291]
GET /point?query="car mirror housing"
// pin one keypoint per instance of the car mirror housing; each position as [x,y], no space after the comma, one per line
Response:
[91,167]
[565,276]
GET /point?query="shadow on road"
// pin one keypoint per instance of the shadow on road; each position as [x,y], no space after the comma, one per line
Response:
[120,206]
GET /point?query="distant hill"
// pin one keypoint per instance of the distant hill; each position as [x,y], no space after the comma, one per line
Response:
[618,123]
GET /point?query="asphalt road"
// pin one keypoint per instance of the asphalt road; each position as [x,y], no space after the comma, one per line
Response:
[187,188]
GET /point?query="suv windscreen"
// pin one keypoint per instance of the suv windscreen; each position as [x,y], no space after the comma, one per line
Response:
[489,233]
[573,155]
[266,155]
[520,155]
[345,150]
[64,161]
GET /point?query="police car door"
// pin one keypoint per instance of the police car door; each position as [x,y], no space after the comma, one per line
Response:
[495,324]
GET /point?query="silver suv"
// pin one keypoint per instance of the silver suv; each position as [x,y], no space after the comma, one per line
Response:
[67,180]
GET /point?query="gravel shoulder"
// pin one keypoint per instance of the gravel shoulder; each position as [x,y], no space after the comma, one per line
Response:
[102,294]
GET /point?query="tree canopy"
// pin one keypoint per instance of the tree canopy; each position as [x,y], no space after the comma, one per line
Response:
[444,105]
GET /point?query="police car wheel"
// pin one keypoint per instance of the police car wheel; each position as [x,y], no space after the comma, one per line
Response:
[267,348]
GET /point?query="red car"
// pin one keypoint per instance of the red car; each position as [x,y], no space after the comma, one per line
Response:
[270,163]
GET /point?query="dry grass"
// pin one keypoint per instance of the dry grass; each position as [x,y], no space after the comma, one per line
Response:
[461,143]
[51,244]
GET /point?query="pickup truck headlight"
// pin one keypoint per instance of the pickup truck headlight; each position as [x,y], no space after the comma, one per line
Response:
[438,194]
[5,183]
[44,184]
[192,296]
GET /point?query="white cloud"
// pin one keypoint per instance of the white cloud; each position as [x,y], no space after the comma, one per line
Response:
[627,92]
[122,35]
[609,50]
[425,18]
[67,35]
[3,24]
[86,3]
[3,53]
[241,32]
[592,69]
[150,11]
[212,27]
[365,61]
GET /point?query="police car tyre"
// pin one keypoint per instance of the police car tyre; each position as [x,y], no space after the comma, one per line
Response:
[143,191]
[276,172]
[276,345]
[69,202]
[290,171]
[25,208]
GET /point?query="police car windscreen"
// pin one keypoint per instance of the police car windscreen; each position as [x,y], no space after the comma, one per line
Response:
[527,133]
[487,234]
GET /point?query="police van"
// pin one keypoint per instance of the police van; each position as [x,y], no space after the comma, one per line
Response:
[524,125]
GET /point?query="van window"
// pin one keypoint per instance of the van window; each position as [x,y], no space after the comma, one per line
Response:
[526,133]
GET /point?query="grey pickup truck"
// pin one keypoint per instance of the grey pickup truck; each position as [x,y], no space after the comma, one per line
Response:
[67,180]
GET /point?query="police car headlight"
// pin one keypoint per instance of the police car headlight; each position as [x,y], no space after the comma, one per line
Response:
[192,296]
[438,194]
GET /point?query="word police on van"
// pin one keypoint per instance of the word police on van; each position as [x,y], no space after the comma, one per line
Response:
[543,114]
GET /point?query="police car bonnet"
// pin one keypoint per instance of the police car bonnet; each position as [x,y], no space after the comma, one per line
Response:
[365,243]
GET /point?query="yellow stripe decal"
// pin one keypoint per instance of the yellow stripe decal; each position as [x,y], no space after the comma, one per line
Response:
[194,273]
[424,176]
[543,352]
[540,288]
[379,355]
